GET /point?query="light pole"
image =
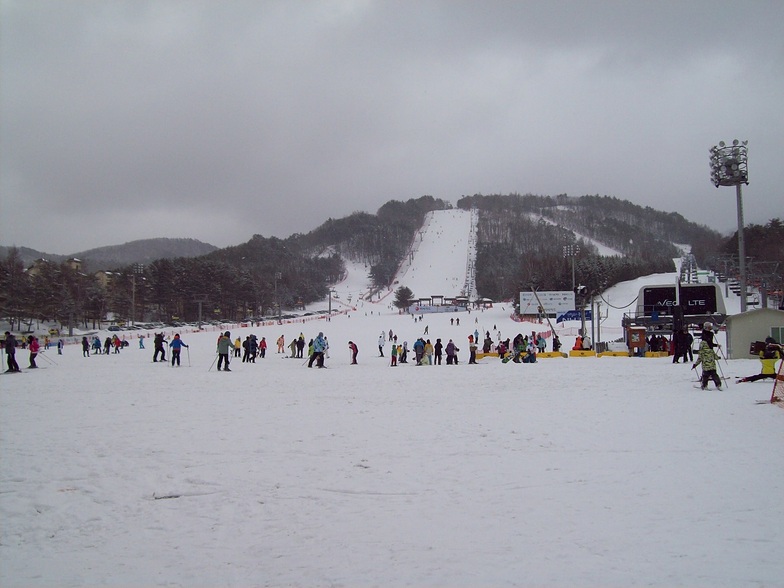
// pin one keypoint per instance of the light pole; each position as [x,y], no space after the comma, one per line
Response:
[138,269]
[571,251]
[278,276]
[729,167]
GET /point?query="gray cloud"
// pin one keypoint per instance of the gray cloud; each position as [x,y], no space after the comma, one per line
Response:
[217,120]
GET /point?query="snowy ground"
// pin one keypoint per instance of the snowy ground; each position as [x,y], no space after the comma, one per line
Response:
[116,471]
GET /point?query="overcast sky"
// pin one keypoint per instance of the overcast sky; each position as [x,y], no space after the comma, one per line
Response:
[216,120]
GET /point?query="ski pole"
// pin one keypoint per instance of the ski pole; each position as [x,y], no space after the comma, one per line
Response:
[718,365]
[213,362]
[47,359]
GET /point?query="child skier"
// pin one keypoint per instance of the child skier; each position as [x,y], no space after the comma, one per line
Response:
[707,357]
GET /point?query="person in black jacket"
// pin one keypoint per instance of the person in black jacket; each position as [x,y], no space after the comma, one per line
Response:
[10,352]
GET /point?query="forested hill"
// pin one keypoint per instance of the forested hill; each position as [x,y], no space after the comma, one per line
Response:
[114,256]
[520,243]
[521,240]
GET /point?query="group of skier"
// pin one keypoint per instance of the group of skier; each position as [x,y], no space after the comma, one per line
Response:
[31,343]
[109,345]
[175,347]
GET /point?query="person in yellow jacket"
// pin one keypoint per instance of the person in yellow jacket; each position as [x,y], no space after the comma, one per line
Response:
[237,347]
[769,357]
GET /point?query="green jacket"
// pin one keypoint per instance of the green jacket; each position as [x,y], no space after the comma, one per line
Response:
[707,357]
[224,344]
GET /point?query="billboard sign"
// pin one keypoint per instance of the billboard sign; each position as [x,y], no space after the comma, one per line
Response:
[699,299]
[554,302]
[694,299]
[574,315]
[659,300]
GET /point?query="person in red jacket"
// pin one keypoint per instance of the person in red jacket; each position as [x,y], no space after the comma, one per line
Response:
[34,346]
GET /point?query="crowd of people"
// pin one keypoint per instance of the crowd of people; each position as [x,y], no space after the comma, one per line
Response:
[425,350]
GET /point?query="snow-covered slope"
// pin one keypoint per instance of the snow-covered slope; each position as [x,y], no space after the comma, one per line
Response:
[442,256]
[602,249]
[116,471]
[439,261]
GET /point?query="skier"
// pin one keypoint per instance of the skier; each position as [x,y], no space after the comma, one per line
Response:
[10,352]
[263,348]
[85,347]
[176,346]
[438,350]
[427,358]
[237,347]
[354,350]
[419,350]
[707,357]
[158,342]
[293,347]
[224,344]
[679,344]
[141,341]
[245,349]
[451,353]
[708,335]
[404,352]
[319,346]
[530,353]
[60,346]
[393,356]
[281,344]
[472,349]
[300,346]
[381,341]
[768,356]
[34,346]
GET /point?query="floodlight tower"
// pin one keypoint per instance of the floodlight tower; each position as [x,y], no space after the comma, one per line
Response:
[729,167]
[571,251]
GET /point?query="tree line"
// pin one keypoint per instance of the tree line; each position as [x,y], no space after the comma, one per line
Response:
[520,244]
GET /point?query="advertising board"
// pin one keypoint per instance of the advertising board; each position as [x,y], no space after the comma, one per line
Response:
[554,302]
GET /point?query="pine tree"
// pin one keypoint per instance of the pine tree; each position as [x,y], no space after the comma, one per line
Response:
[403,297]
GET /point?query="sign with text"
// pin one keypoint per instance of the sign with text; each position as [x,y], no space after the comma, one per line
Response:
[693,299]
[552,302]
[573,315]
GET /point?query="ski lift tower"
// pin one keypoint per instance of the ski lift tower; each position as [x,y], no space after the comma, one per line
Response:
[729,167]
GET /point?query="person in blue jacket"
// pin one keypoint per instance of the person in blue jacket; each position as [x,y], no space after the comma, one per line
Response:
[319,346]
[175,346]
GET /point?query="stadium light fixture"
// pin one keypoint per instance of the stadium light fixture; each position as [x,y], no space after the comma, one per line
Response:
[729,167]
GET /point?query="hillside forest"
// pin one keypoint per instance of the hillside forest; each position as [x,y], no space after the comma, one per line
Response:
[521,243]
